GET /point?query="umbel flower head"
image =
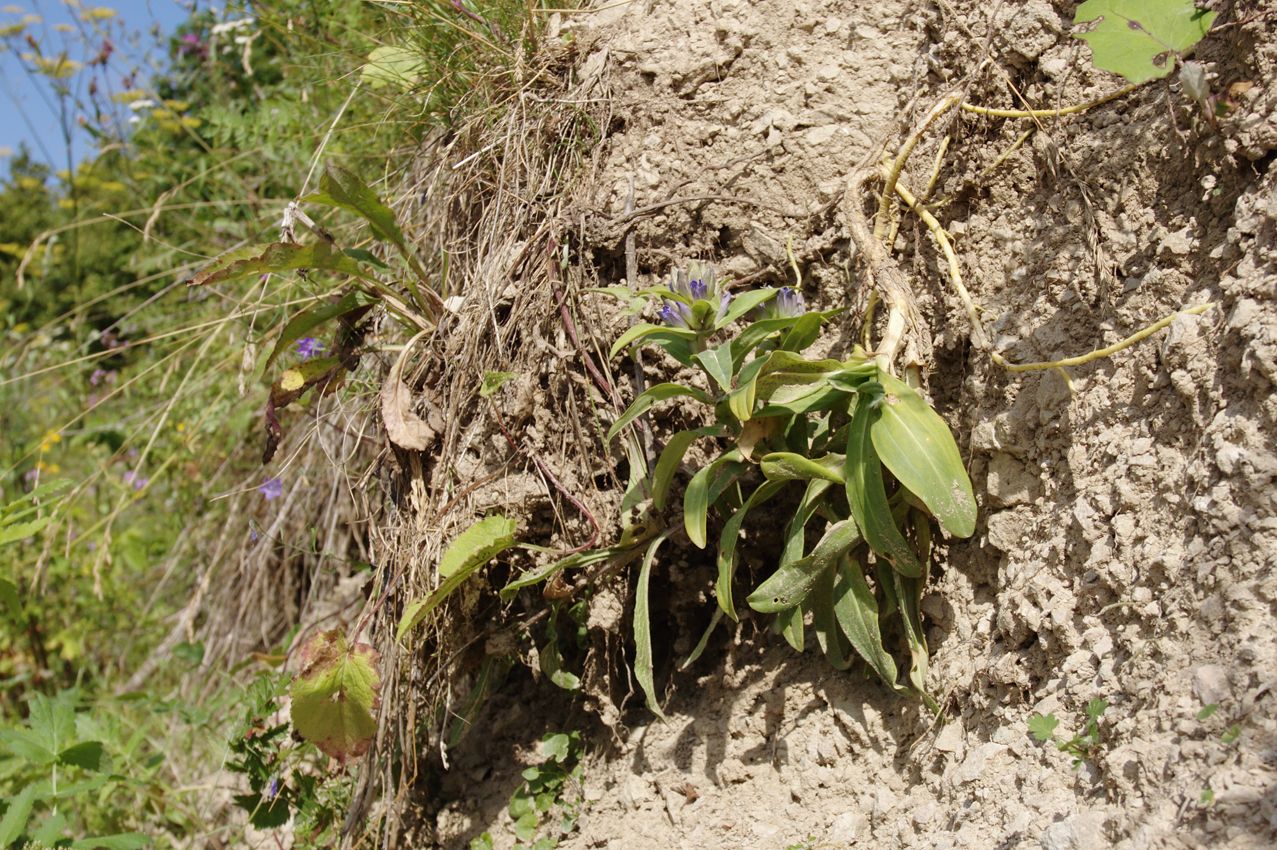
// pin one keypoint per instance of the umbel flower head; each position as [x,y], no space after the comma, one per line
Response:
[702,297]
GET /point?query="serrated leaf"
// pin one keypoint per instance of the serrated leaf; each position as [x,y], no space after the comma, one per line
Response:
[340,187]
[1140,39]
[393,66]
[728,540]
[275,257]
[856,610]
[473,548]
[643,627]
[649,397]
[14,822]
[789,586]
[867,495]
[672,457]
[914,443]
[307,320]
[89,755]
[335,695]
[1042,726]
[22,530]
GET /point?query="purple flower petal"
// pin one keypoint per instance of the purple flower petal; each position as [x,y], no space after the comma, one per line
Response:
[271,488]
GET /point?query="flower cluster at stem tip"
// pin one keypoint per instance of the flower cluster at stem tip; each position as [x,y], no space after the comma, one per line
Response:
[698,284]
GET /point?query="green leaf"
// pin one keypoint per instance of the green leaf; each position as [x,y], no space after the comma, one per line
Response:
[10,601]
[552,667]
[339,187]
[14,822]
[643,627]
[798,399]
[696,500]
[908,593]
[867,495]
[856,610]
[789,466]
[22,530]
[728,539]
[646,330]
[1042,727]
[493,381]
[473,548]
[790,624]
[704,641]
[649,397]
[672,457]
[789,586]
[393,66]
[89,755]
[914,443]
[756,334]
[741,400]
[785,368]
[307,320]
[824,621]
[335,694]
[577,561]
[1208,711]
[742,303]
[1140,39]
[275,257]
[717,363]
[803,333]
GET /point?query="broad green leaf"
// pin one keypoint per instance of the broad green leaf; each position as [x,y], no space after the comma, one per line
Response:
[473,548]
[790,624]
[789,586]
[14,822]
[645,330]
[552,667]
[867,495]
[1140,39]
[393,66]
[275,257]
[307,320]
[803,333]
[788,466]
[914,443]
[785,368]
[1042,726]
[697,499]
[672,456]
[756,334]
[742,303]
[493,381]
[649,397]
[741,400]
[728,539]
[798,399]
[339,187]
[643,627]
[856,610]
[89,755]
[335,694]
[717,363]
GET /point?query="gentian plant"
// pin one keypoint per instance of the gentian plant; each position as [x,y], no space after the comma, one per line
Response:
[869,461]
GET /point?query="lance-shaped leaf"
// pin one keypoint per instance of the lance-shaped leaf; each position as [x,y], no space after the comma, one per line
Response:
[915,444]
[571,562]
[672,456]
[339,187]
[867,495]
[785,368]
[473,548]
[728,539]
[706,485]
[856,610]
[643,627]
[646,330]
[790,585]
[742,303]
[803,333]
[825,623]
[335,695]
[649,397]
[790,466]
[756,334]
[790,625]
[908,593]
[741,399]
[275,257]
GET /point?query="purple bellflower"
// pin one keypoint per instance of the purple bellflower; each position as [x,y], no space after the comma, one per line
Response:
[308,347]
[271,488]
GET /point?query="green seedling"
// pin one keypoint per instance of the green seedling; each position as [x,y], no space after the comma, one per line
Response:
[547,805]
[868,459]
[1082,746]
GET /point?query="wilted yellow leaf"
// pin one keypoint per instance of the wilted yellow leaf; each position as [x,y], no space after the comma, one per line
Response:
[292,380]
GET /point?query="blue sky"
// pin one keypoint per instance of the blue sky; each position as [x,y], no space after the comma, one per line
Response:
[28,107]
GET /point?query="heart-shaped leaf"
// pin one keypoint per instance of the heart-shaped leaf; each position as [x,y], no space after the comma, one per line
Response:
[335,695]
